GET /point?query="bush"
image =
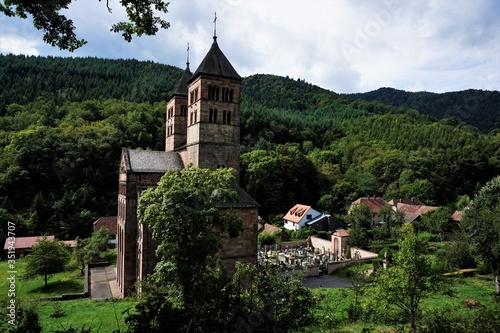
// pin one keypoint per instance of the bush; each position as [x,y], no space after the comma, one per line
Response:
[266,238]
[377,264]
[382,254]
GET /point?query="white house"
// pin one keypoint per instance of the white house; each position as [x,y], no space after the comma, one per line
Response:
[300,215]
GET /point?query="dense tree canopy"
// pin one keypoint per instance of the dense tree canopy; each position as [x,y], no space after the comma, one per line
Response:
[481,221]
[64,121]
[59,30]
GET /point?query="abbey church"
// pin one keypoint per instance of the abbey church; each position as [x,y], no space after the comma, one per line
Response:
[202,128]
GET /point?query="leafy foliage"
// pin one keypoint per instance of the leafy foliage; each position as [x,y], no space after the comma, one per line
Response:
[413,277]
[91,249]
[47,257]
[59,30]
[481,221]
[184,216]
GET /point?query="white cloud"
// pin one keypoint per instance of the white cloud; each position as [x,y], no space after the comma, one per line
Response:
[344,46]
[18,45]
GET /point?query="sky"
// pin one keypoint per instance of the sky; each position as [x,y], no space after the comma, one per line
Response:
[346,46]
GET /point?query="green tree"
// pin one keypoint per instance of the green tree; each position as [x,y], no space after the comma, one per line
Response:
[413,277]
[59,30]
[47,257]
[359,278]
[360,218]
[186,220]
[91,249]
[481,221]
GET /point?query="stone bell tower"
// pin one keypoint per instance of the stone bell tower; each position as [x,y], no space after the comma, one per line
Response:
[213,118]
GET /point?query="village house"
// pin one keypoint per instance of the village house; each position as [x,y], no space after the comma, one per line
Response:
[300,216]
[23,245]
[110,223]
[413,211]
[375,204]
[202,128]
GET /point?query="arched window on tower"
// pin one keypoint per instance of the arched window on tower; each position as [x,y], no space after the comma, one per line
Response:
[215,116]
[224,117]
[217,93]
[228,117]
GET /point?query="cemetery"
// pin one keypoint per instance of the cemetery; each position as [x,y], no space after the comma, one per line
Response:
[315,255]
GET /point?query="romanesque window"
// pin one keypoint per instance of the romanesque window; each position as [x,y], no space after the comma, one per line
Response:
[212,116]
[226,117]
[184,110]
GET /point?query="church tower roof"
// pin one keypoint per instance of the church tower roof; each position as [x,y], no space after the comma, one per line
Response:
[215,63]
[181,89]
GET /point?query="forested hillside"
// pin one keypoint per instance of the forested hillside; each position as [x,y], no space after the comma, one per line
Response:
[479,108]
[24,78]
[64,121]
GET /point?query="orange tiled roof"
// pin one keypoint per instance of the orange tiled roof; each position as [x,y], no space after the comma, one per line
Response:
[342,233]
[457,215]
[409,201]
[296,213]
[108,222]
[26,242]
[375,203]
[415,209]
[271,229]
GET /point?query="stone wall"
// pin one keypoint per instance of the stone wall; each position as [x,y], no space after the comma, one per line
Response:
[244,247]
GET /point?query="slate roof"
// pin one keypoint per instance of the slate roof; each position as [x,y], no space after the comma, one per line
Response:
[216,63]
[109,222]
[182,87]
[151,161]
[26,242]
[295,214]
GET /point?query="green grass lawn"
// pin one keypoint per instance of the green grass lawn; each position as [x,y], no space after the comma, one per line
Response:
[61,283]
[331,315]
[100,316]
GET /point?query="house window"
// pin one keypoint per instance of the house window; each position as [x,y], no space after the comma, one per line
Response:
[183,110]
[309,216]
